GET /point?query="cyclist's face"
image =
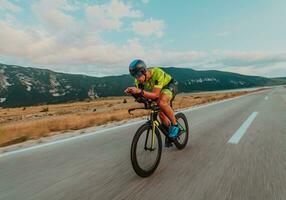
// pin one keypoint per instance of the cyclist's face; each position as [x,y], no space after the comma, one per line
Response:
[141,78]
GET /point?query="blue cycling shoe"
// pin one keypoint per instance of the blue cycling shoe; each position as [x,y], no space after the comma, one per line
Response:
[174,131]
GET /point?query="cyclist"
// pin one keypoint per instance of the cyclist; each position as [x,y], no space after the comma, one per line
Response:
[163,90]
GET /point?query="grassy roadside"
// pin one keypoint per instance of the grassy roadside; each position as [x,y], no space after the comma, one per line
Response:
[20,124]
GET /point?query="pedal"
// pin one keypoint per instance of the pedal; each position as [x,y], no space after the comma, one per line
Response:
[168,143]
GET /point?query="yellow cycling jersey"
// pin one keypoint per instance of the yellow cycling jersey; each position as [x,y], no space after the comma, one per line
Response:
[158,79]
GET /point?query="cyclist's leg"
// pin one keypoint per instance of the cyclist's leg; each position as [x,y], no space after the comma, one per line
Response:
[164,119]
[164,103]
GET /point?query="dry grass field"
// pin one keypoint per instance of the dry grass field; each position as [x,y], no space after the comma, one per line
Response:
[25,123]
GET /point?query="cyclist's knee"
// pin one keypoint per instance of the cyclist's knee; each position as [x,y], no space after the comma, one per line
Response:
[162,103]
[163,100]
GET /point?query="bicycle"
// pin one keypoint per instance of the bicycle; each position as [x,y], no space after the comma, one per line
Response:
[152,141]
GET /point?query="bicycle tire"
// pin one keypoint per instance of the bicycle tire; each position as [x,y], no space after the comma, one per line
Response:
[136,166]
[182,144]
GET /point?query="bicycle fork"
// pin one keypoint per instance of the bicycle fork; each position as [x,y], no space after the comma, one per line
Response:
[155,124]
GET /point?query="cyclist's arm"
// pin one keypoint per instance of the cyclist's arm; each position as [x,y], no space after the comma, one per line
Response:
[152,95]
[159,76]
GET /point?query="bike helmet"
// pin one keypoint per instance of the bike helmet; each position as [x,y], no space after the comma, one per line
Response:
[137,68]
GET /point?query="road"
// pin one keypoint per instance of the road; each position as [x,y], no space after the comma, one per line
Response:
[210,167]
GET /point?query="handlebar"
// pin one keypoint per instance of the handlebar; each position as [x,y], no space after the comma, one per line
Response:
[148,103]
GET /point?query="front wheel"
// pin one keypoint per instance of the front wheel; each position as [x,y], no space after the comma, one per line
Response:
[182,140]
[146,150]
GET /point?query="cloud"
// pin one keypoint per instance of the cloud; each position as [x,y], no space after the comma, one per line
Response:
[41,49]
[109,16]
[59,41]
[245,59]
[8,6]
[149,27]
[9,37]
[94,56]
[25,43]
[250,63]
[273,70]
[160,57]
[51,15]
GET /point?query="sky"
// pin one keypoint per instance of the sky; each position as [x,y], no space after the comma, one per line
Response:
[101,38]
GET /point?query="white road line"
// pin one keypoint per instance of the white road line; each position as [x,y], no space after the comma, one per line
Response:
[243,128]
[266,98]
[112,128]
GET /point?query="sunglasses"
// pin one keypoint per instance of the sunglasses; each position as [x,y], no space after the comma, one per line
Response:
[138,74]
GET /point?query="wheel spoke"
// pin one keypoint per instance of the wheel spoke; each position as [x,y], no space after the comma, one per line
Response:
[181,127]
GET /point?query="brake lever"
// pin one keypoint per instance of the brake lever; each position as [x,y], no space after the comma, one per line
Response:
[132,109]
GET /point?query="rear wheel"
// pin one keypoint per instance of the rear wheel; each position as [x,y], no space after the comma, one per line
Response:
[146,153]
[183,137]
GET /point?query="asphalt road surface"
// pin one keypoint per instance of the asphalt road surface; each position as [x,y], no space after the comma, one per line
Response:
[237,150]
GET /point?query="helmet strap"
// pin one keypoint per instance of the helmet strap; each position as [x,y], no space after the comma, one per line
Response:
[145,75]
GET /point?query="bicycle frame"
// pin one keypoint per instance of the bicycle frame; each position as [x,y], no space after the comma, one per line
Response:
[155,123]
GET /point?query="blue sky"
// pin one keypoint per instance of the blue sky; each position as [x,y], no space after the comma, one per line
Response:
[101,38]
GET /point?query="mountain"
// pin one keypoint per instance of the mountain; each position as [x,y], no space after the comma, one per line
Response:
[25,86]
[194,80]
